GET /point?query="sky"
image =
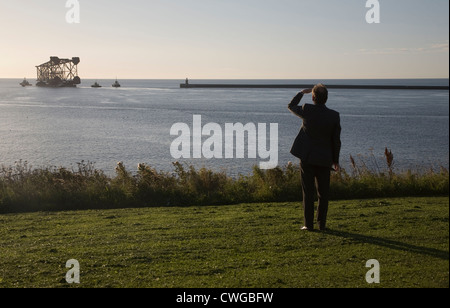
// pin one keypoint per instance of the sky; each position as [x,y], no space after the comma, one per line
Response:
[228,39]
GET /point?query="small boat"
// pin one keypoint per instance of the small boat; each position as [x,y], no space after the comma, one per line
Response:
[25,83]
[116,84]
[96,85]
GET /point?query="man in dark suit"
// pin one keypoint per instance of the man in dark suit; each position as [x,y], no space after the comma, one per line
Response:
[318,146]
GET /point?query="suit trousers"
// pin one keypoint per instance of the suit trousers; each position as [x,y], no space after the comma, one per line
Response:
[315,179]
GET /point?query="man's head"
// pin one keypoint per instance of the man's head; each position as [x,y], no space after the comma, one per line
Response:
[320,94]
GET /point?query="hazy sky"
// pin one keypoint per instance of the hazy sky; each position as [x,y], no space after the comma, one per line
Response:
[236,39]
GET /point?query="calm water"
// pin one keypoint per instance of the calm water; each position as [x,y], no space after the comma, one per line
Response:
[60,127]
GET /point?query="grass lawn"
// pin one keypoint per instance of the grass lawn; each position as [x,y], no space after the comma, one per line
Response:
[247,245]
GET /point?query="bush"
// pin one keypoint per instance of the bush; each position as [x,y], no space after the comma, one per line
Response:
[24,189]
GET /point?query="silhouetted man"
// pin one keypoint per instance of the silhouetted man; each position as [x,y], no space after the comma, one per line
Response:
[318,146]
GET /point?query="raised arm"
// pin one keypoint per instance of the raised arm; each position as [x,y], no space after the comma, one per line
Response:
[294,105]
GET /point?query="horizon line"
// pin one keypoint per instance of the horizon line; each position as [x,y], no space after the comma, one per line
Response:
[365,78]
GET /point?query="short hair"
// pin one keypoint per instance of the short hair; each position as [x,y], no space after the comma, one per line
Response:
[320,94]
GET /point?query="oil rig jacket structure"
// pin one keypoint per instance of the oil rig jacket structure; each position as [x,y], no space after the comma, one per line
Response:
[58,73]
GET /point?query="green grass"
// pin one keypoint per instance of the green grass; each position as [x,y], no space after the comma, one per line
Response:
[246,245]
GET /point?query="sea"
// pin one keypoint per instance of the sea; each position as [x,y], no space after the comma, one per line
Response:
[62,127]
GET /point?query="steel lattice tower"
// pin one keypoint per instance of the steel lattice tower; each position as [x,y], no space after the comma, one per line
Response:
[58,73]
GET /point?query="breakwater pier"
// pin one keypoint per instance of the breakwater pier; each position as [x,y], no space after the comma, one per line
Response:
[188,85]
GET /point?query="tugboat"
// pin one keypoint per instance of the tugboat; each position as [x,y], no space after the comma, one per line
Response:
[25,83]
[116,84]
[96,85]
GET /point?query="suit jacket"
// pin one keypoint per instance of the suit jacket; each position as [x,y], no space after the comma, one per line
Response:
[319,140]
